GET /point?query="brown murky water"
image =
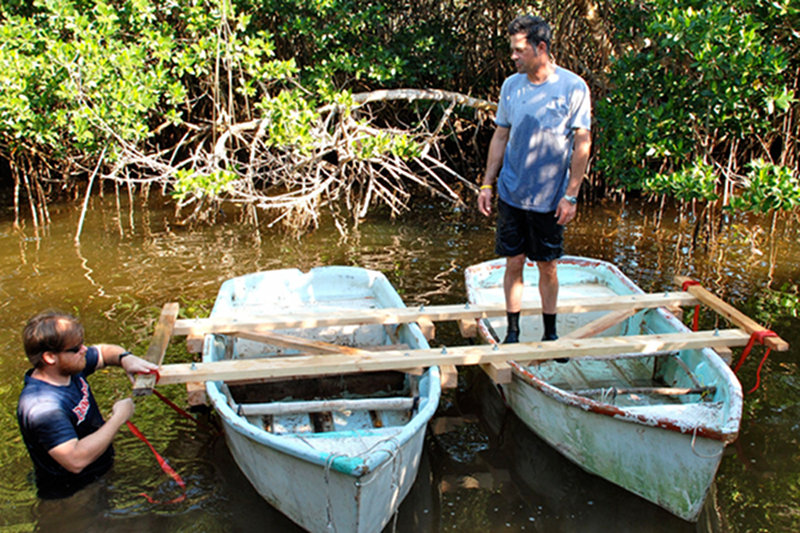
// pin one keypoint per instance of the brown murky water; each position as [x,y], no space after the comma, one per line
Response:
[482,469]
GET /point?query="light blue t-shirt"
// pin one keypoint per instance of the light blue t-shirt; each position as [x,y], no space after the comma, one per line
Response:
[542,118]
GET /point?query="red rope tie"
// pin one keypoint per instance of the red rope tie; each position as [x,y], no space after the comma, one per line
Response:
[756,336]
[695,321]
[164,466]
[161,461]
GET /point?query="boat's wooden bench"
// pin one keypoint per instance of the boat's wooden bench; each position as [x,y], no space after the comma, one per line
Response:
[321,406]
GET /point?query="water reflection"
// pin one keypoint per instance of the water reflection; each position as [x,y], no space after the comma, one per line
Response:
[483,470]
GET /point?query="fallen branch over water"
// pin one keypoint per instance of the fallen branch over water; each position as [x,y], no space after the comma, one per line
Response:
[346,164]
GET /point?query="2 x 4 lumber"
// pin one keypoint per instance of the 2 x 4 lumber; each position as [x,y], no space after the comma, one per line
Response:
[288,408]
[195,393]
[194,343]
[143,383]
[402,315]
[426,326]
[318,365]
[603,323]
[298,343]
[501,373]
[311,346]
[725,353]
[449,376]
[731,313]
[468,328]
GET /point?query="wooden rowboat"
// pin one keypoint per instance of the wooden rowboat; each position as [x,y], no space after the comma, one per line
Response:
[654,424]
[336,453]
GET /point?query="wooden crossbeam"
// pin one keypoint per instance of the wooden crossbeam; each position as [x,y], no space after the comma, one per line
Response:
[298,343]
[502,372]
[402,315]
[731,313]
[317,365]
[143,383]
[595,327]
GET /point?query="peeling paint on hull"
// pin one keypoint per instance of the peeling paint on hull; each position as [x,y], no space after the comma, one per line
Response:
[667,452]
[354,477]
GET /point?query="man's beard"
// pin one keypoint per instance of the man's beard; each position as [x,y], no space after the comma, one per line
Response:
[73,369]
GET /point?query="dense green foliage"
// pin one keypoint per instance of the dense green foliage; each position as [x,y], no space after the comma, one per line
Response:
[700,100]
[693,99]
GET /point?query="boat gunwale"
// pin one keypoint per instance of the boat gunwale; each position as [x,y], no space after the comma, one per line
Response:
[356,466]
[726,431]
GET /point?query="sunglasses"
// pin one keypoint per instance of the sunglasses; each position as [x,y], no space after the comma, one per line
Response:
[74,349]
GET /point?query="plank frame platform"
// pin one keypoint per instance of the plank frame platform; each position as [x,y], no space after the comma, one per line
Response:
[404,315]
[493,358]
[329,364]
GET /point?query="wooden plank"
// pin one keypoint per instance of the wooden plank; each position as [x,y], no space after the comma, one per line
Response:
[449,376]
[143,383]
[731,313]
[194,343]
[317,365]
[311,346]
[591,329]
[468,328]
[500,373]
[603,323]
[403,315]
[428,329]
[195,393]
[725,353]
[298,343]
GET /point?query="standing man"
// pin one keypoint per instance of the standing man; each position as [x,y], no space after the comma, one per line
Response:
[66,436]
[540,150]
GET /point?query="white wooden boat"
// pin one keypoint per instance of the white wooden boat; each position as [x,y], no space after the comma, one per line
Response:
[654,424]
[334,453]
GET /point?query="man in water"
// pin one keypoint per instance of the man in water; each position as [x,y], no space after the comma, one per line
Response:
[540,149]
[64,432]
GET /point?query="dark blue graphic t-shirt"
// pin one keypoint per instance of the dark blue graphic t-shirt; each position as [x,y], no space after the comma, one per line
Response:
[50,415]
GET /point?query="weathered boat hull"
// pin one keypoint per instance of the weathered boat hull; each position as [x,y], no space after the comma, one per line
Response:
[354,476]
[666,451]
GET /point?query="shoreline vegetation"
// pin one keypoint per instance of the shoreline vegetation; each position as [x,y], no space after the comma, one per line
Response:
[287,109]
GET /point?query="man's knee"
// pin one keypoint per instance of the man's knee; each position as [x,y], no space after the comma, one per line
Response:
[515,264]
[547,268]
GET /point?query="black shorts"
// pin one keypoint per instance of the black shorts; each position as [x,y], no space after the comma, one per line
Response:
[537,235]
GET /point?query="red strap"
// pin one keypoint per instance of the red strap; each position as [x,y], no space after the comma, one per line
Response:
[164,466]
[758,336]
[177,409]
[183,413]
[695,321]
[688,283]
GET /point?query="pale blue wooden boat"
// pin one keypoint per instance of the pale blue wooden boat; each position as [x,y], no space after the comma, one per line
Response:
[662,447]
[332,454]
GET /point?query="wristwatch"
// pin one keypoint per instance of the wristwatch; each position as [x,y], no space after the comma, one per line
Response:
[571,199]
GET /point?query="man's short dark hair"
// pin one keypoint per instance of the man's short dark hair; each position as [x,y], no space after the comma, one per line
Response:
[536,30]
[47,332]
